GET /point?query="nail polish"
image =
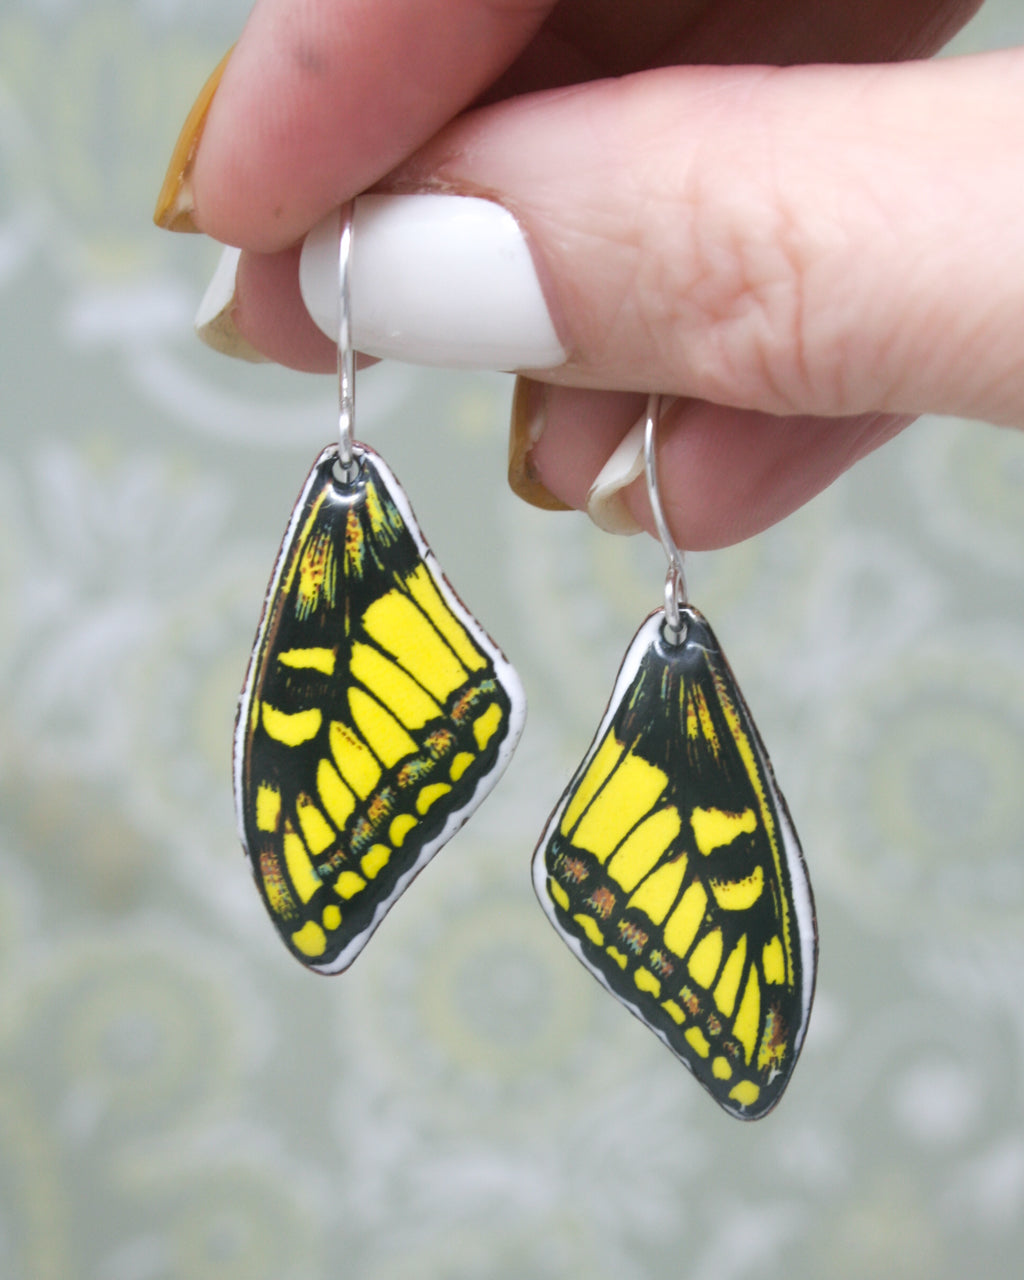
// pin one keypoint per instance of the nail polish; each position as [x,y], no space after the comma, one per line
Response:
[175,203]
[526,427]
[436,280]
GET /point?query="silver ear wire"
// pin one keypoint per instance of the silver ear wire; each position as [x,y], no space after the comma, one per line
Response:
[675,580]
[347,466]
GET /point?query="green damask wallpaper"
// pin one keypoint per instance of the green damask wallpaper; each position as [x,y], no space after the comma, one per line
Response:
[179,1100]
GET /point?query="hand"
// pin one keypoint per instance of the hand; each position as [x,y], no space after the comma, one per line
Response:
[807,257]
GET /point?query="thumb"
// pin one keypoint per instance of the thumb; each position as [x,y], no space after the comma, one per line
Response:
[823,240]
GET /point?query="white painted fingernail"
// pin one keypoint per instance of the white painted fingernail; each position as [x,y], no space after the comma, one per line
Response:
[606,505]
[215,319]
[436,279]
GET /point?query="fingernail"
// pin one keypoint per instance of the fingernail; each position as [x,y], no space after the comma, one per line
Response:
[606,504]
[174,205]
[528,415]
[436,279]
[215,319]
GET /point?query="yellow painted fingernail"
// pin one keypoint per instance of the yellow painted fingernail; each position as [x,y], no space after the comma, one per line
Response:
[174,205]
[528,417]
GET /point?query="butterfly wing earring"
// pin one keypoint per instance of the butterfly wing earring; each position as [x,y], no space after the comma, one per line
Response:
[670,865]
[376,713]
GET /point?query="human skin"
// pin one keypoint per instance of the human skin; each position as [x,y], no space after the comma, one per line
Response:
[806,255]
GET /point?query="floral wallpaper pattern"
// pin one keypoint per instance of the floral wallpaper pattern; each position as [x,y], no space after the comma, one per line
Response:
[177,1097]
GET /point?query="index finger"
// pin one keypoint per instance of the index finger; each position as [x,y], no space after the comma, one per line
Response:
[320,99]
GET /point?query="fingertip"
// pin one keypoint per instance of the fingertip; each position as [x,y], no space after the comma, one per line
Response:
[730,473]
[270,314]
[321,100]
[258,157]
[175,204]
[582,428]
[725,474]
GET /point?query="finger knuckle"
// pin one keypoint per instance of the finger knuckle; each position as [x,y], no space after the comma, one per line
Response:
[733,285]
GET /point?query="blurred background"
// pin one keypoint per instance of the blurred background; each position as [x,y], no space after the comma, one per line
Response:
[177,1097]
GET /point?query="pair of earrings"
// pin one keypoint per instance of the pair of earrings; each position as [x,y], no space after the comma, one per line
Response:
[377,714]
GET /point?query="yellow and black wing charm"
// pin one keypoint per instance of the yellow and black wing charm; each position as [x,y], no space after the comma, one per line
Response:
[375,716]
[672,870]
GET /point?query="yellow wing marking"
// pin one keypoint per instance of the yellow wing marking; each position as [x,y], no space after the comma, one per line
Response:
[746,1093]
[706,958]
[682,925]
[400,627]
[721,1068]
[728,985]
[647,981]
[400,828]
[631,791]
[317,575]
[381,514]
[640,852]
[424,591]
[384,735]
[750,763]
[356,762]
[310,940]
[316,830]
[293,728]
[739,895]
[348,884]
[268,807]
[300,869]
[589,927]
[374,860]
[302,542]
[660,890]
[692,721]
[673,1010]
[747,1020]
[773,963]
[698,1041]
[392,686]
[314,659]
[354,554]
[331,916]
[605,759]
[558,893]
[430,794]
[460,764]
[338,798]
[713,828]
[698,720]
[486,725]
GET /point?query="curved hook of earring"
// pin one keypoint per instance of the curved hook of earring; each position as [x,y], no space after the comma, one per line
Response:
[347,467]
[675,580]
